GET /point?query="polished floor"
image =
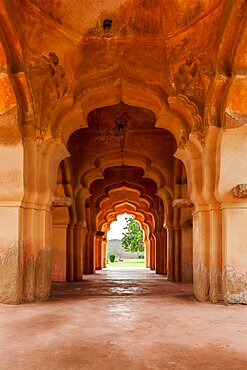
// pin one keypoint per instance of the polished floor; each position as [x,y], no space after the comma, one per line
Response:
[123,319]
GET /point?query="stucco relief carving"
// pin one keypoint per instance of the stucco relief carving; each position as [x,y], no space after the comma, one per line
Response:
[240,191]
[190,68]
[193,78]
[49,85]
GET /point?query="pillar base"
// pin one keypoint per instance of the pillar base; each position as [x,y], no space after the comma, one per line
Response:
[235,286]
[11,275]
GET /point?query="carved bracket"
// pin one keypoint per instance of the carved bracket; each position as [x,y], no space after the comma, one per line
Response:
[240,191]
[187,108]
[61,202]
[182,203]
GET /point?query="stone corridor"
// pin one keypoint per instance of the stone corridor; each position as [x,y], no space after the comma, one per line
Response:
[122,319]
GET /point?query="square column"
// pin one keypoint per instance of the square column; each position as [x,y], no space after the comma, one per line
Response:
[11,253]
[234,254]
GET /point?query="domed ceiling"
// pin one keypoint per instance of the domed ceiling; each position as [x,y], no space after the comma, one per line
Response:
[168,47]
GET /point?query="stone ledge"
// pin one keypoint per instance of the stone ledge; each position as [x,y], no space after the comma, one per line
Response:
[61,202]
[182,202]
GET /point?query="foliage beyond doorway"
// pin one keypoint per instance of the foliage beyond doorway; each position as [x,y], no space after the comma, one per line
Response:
[132,240]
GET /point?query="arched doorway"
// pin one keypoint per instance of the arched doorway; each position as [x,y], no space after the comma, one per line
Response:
[123,163]
[126,242]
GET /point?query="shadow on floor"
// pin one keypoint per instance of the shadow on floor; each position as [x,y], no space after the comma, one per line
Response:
[123,283]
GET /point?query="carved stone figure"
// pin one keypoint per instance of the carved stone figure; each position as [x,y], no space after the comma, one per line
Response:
[193,78]
[49,85]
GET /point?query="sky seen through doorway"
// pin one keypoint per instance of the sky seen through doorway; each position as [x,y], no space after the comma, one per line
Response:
[117,227]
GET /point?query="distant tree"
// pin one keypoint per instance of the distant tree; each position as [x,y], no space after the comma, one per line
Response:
[112,257]
[133,236]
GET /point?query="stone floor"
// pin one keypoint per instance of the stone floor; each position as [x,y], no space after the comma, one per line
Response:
[123,319]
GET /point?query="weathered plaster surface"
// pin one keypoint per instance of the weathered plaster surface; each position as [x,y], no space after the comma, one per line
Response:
[11,275]
[187,273]
[37,276]
[215,285]
[28,280]
[235,286]
[43,274]
[201,282]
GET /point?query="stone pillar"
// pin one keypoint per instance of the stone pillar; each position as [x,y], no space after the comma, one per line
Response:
[170,253]
[152,251]
[78,252]
[90,252]
[41,164]
[201,254]
[98,252]
[215,267]
[164,241]
[147,253]
[10,254]
[234,226]
[59,241]
[37,267]
[183,239]
[232,194]
[104,248]
[84,231]
[186,251]
[87,253]
[160,253]
[11,192]
[177,254]
[60,221]
[42,256]
[83,224]
[70,252]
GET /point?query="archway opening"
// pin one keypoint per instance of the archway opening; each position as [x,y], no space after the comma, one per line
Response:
[122,163]
[126,243]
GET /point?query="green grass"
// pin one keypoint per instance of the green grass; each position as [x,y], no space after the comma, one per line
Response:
[128,263]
